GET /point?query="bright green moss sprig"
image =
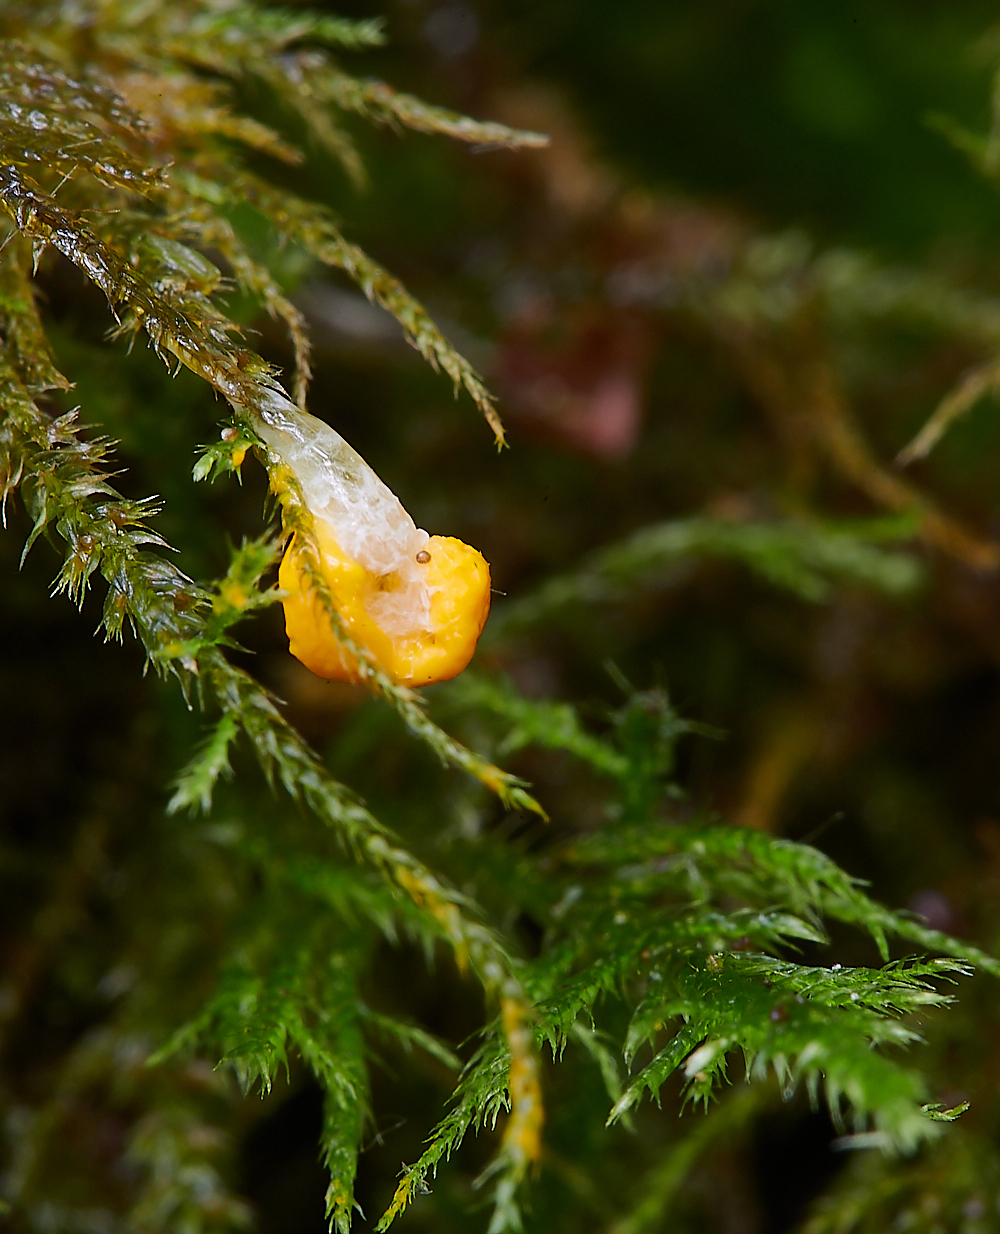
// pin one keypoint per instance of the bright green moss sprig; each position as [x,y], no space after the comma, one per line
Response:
[86,143]
[184,628]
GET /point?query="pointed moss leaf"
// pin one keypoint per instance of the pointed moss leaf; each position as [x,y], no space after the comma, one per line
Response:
[938,1114]
[193,788]
[655,1073]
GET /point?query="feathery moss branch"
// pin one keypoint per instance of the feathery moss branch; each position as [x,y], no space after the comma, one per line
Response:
[183,628]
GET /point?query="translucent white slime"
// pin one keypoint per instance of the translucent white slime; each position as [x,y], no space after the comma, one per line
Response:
[363,515]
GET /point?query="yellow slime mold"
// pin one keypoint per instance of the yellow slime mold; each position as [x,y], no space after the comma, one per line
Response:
[458,585]
[416,603]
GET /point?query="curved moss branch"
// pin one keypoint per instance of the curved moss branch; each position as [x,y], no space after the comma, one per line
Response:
[183,628]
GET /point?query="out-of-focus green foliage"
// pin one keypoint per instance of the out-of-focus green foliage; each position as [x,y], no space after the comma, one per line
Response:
[259,946]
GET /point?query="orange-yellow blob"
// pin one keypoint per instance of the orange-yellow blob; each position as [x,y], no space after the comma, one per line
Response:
[458,590]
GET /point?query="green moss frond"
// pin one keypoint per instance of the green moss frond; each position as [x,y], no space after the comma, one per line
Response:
[807,559]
